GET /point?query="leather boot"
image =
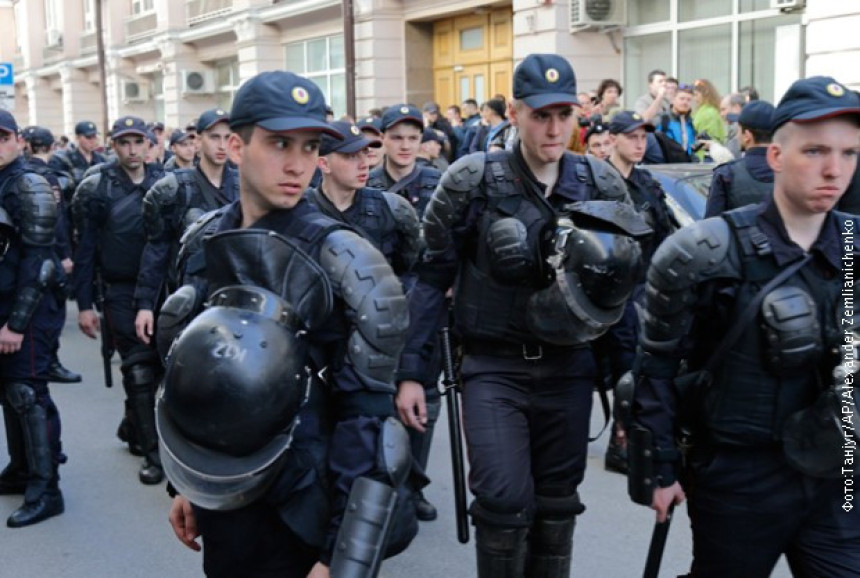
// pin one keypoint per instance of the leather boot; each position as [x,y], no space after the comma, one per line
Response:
[13,479]
[424,510]
[59,374]
[500,552]
[616,453]
[550,548]
[126,433]
[42,497]
[143,409]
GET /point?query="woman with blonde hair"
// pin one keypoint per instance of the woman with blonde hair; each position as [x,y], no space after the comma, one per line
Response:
[706,116]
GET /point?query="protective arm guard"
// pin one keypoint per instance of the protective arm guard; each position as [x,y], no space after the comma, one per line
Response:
[38,211]
[609,182]
[408,232]
[28,298]
[176,313]
[86,204]
[375,304]
[458,186]
[158,202]
[87,211]
[689,257]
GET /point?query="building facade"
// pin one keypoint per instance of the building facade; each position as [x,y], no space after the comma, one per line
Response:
[171,59]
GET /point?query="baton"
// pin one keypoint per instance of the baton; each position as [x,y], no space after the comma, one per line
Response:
[658,544]
[451,390]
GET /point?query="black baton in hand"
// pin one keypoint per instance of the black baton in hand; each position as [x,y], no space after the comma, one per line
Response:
[658,544]
[451,390]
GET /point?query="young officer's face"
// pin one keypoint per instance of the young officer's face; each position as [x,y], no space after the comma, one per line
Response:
[213,144]
[544,133]
[600,145]
[9,150]
[131,151]
[813,164]
[275,167]
[401,143]
[631,146]
[348,171]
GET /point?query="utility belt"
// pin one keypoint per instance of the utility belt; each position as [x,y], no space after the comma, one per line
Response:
[532,351]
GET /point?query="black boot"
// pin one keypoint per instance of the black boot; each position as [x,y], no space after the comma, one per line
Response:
[143,408]
[13,479]
[616,453]
[424,510]
[550,548]
[126,434]
[42,497]
[59,374]
[500,552]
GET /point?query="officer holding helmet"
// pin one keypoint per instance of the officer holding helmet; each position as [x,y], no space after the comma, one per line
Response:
[541,244]
[292,410]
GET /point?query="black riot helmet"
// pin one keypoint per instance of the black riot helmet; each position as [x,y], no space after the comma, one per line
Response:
[597,263]
[234,384]
[7,232]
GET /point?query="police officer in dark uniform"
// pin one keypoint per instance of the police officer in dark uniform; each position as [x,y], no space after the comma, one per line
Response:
[174,203]
[502,225]
[76,160]
[758,303]
[371,126]
[183,151]
[749,179]
[40,140]
[28,217]
[402,127]
[266,492]
[628,135]
[109,219]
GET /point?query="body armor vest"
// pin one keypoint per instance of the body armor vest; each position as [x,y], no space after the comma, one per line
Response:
[417,187]
[744,188]
[780,363]
[122,236]
[487,308]
[649,200]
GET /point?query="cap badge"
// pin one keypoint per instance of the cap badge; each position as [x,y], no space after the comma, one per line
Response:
[220,112]
[404,110]
[90,125]
[129,122]
[834,89]
[551,75]
[636,116]
[354,130]
[300,95]
[369,119]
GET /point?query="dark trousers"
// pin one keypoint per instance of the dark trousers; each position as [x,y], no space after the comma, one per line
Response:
[747,507]
[526,425]
[251,541]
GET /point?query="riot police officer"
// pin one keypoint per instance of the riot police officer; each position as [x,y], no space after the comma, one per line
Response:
[76,160]
[28,216]
[305,317]
[108,214]
[758,305]
[183,151]
[175,202]
[371,126]
[749,179]
[512,227]
[399,172]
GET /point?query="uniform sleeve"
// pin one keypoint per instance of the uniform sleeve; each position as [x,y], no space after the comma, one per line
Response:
[87,211]
[718,192]
[158,206]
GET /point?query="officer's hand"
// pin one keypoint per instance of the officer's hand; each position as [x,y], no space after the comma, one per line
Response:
[10,342]
[143,325]
[183,522]
[88,321]
[319,570]
[663,497]
[410,404]
[68,265]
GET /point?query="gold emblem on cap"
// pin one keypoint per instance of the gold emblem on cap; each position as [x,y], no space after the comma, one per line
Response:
[835,89]
[300,95]
[354,130]
[369,119]
[91,125]
[404,110]
[551,75]
[220,112]
[128,122]
[636,116]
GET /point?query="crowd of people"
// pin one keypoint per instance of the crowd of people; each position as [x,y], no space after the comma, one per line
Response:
[275,283]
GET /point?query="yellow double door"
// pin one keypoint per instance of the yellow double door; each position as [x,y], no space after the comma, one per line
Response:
[473,57]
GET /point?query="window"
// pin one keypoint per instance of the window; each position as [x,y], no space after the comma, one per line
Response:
[158,96]
[227,81]
[322,60]
[472,38]
[696,10]
[757,52]
[142,6]
[706,53]
[89,16]
[643,54]
[647,11]
[53,20]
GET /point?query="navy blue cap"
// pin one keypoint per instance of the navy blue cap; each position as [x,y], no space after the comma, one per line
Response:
[627,121]
[86,128]
[212,117]
[543,80]
[150,135]
[371,123]
[38,136]
[128,125]
[431,134]
[397,113]
[353,139]
[596,128]
[757,115]
[7,122]
[178,136]
[278,100]
[815,98]
[154,126]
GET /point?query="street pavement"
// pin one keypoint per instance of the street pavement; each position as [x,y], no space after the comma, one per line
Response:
[116,527]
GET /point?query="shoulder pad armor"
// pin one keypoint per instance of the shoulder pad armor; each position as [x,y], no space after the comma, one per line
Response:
[458,185]
[408,227]
[609,183]
[159,200]
[38,210]
[375,302]
[692,255]
[86,196]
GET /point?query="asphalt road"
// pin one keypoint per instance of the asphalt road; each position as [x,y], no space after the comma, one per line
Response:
[115,527]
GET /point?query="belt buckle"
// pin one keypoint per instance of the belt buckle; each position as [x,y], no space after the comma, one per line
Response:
[532,357]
